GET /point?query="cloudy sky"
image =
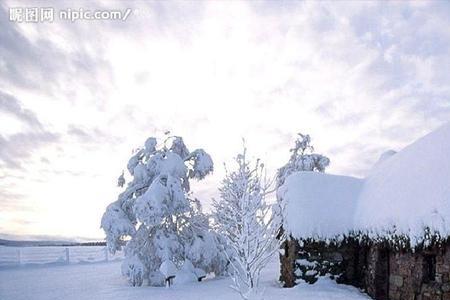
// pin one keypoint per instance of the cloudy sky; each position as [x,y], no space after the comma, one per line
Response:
[77,97]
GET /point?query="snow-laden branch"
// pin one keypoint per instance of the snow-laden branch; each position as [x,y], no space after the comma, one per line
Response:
[248,223]
[156,218]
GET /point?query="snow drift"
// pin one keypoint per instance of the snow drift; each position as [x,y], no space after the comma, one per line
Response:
[404,194]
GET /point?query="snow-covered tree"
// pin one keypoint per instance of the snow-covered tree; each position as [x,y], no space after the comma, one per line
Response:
[302,158]
[248,223]
[156,217]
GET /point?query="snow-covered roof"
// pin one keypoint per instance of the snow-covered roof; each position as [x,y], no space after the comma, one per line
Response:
[319,205]
[409,190]
[406,191]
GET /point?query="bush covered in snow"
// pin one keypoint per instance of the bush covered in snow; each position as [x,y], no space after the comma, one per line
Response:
[157,218]
[133,269]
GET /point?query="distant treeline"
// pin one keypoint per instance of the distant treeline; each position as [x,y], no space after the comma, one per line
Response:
[86,244]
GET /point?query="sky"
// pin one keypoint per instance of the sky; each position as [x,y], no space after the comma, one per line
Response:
[77,97]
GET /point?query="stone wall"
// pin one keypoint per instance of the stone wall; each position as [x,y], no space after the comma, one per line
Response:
[410,276]
[383,273]
[287,260]
[376,276]
[307,260]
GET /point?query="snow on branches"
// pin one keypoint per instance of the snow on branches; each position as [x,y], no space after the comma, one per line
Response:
[155,216]
[302,159]
[248,224]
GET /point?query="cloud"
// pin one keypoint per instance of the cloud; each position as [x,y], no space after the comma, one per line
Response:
[15,149]
[90,135]
[12,202]
[37,59]
[359,77]
[11,105]
[24,63]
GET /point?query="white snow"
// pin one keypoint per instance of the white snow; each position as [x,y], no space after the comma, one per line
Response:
[104,281]
[144,214]
[168,164]
[405,192]
[311,273]
[168,268]
[165,193]
[247,223]
[150,145]
[306,263]
[133,270]
[116,222]
[202,165]
[409,190]
[186,274]
[319,205]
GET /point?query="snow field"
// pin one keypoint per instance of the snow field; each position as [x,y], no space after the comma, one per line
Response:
[103,281]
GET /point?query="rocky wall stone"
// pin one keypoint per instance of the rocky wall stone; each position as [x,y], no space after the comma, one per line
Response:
[287,260]
[405,274]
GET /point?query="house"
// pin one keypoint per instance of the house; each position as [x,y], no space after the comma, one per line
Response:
[387,234]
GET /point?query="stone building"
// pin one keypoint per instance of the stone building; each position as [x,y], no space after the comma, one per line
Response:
[383,272]
[387,234]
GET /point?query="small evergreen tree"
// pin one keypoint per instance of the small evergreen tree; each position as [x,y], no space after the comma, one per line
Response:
[248,224]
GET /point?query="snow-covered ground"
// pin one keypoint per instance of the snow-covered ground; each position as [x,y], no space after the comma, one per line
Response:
[103,281]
